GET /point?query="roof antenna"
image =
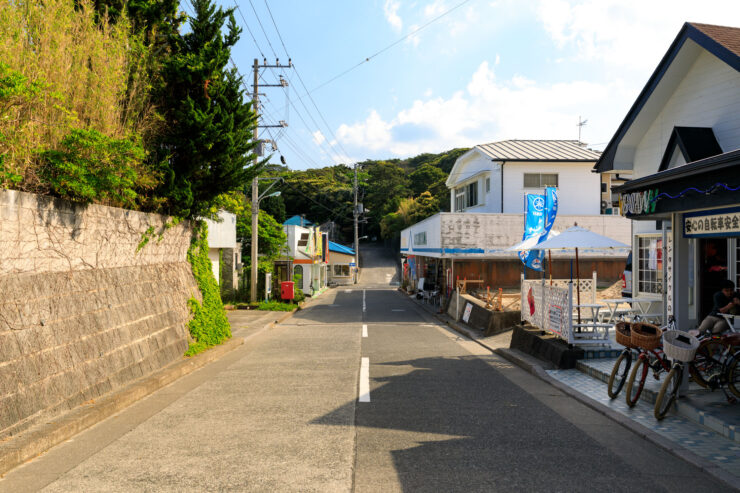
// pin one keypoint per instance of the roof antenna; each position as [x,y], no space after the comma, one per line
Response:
[580,125]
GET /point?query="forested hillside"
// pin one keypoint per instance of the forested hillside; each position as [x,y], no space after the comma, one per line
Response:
[395,193]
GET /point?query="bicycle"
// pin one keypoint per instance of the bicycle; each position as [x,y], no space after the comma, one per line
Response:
[624,361]
[706,358]
[681,348]
[651,357]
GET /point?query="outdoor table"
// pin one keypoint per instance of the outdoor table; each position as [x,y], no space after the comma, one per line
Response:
[646,311]
[612,304]
[594,307]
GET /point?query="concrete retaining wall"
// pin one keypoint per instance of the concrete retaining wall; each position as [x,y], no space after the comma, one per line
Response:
[81,311]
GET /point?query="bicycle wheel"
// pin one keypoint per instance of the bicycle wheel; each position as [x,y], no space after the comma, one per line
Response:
[733,375]
[706,361]
[636,382]
[668,393]
[619,373]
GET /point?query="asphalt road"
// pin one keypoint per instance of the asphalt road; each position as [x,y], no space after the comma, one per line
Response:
[295,409]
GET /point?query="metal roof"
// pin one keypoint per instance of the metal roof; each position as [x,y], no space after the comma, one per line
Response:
[538,150]
[336,247]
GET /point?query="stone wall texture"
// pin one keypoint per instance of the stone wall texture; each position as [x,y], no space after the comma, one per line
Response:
[81,311]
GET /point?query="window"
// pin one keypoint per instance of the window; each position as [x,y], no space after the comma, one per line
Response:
[472,195]
[649,264]
[341,270]
[466,196]
[540,180]
[420,238]
[459,199]
[298,273]
[304,240]
[488,185]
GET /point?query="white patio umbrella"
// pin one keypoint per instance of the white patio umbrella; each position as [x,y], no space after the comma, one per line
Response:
[529,243]
[572,239]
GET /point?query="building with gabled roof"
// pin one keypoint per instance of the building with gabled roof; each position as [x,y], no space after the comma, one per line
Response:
[680,141]
[495,177]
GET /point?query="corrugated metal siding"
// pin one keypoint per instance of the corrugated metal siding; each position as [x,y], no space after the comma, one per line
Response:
[538,150]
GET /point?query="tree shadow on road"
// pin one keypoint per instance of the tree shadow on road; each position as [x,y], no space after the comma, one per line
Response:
[501,437]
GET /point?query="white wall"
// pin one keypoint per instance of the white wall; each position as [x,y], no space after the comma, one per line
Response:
[476,167]
[214,256]
[222,234]
[432,227]
[579,190]
[708,96]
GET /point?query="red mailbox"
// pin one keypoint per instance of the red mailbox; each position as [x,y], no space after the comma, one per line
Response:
[286,290]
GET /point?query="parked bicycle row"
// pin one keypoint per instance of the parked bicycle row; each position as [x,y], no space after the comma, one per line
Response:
[712,360]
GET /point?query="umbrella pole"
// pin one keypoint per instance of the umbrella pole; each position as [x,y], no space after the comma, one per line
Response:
[578,287]
[549,264]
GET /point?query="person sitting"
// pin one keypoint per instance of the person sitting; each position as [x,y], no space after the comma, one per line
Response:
[725,301]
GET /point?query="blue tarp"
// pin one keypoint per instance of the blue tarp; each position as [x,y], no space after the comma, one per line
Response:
[336,247]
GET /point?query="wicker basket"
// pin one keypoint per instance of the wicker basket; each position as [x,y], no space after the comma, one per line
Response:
[622,332]
[645,336]
[679,346]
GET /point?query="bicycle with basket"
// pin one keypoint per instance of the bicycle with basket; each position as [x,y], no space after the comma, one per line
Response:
[647,339]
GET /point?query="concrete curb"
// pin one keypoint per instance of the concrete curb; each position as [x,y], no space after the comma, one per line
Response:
[635,427]
[38,440]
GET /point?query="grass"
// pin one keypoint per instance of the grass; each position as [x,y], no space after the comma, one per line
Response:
[276,306]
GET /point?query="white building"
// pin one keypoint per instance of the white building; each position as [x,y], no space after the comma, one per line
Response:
[307,254]
[495,177]
[681,143]
[224,252]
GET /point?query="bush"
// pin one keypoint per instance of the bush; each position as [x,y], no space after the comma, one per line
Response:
[209,326]
[276,306]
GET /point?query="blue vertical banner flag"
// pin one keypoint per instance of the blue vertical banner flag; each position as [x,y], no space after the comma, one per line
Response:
[551,210]
[536,258]
[534,225]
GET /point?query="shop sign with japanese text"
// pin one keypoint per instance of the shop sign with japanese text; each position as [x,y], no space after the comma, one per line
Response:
[634,203]
[718,222]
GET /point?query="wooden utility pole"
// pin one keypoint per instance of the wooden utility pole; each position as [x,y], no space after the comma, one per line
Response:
[357,241]
[255,181]
[255,197]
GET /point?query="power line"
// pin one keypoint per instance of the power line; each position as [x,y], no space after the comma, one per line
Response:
[326,125]
[389,46]
[262,27]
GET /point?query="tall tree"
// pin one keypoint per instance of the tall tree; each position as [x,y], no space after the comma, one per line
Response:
[207,144]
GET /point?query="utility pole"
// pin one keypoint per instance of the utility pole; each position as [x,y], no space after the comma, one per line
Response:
[357,242]
[255,181]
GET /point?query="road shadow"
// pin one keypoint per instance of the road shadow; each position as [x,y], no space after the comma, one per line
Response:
[501,437]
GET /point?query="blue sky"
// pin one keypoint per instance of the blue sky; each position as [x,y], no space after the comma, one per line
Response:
[489,70]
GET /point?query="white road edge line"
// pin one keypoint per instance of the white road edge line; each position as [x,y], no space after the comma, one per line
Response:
[364,330]
[365,380]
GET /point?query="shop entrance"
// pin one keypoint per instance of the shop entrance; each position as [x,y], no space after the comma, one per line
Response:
[713,269]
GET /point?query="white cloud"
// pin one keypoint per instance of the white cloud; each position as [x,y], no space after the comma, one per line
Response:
[318,137]
[629,34]
[390,9]
[487,110]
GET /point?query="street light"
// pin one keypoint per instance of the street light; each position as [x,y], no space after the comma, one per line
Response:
[256,198]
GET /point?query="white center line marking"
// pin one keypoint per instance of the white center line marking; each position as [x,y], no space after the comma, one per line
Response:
[364,330]
[365,380]
[364,307]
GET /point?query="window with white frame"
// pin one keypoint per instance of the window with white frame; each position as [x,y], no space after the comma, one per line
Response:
[459,199]
[649,264]
[341,270]
[471,198]
[488,185]
[420,238]
[540,180]
[466,196]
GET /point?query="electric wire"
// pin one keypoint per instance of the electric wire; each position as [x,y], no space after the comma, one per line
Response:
[383,50]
